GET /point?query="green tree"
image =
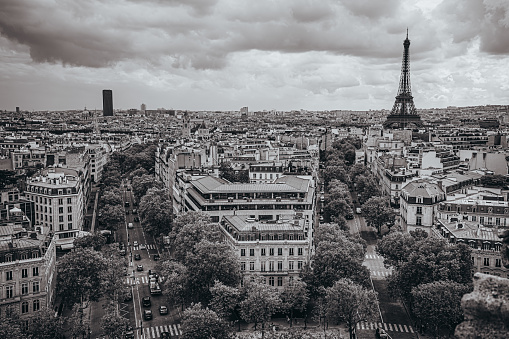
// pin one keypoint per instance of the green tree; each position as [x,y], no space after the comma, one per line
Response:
[80,276]
[438,304]
[10,327]
[191,234]
[225,299]
[377,212]
[110,217]
[96,241]
[356,170]
[432,259]
[192,217]
[7,178]
[211,261]
[156,211]
[111,196]
[294,297]
[494,180]
[395,247]
[175,283]
[337,208]
[351,303]
[141,184]
[366,187]
[114,283]
[113,324]
[334,172]
[138,173]
[44,325]
[203,323]
[78,324]
[260,304]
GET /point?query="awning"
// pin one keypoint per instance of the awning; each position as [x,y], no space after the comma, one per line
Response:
[67,246]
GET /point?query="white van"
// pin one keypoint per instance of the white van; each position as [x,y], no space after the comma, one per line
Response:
[130,225]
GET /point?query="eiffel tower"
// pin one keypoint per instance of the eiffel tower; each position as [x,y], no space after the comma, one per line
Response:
[403,113]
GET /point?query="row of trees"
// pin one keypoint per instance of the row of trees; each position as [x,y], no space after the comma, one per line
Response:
[430,275]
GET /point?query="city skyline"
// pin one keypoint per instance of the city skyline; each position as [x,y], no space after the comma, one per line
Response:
[218,55]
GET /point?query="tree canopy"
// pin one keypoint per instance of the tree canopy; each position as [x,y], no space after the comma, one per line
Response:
[203,323]
[378,212]
[156,211]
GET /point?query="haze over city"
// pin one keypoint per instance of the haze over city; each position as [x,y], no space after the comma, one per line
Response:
[222,55]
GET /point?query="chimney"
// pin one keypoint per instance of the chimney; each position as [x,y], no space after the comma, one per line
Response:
[440,184]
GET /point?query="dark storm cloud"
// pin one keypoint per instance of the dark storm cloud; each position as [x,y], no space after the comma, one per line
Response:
[487,20]
[200,34]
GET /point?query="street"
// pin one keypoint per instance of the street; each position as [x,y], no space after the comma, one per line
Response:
[138,242]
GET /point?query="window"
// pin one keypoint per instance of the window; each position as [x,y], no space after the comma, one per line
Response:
[8,275]
[300,251]
[8,257]
[497,221]
[242,252]
[24,289]
[69,209]
[69,226]
[60,201]
[486,261]
[418,221]
[24,307]
[474,218]
[60,227]
[251,252]
[271,281]
[290,251]
[299,264]
[35,287]
[69,200]
[35,271]
[243,266]
[279,251]
[60,218]
[251,266]
[37,305]
[271,251]
[290,265]
[498,263]
[24,273]
[262,266]
[481,220]
[69,217]
[280,281]
[279,266]
[9,291]
[271,266]
[60,210]
[24,256]
[263,252]
[419,210]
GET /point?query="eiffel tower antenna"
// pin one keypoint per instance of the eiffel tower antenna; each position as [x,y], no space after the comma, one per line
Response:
[403,113]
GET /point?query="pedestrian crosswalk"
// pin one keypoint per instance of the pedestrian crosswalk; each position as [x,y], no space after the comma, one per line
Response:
[155,331]
[142,247]
[385,326]
[140,280]
[380,273]
[373,256]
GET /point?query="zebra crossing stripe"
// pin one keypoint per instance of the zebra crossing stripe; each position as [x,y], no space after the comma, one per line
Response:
[406,329]
[179,329]
[400,328]
[148,332]
[390,327]
[171,330]
[385,326]
[411,329]
[157,332]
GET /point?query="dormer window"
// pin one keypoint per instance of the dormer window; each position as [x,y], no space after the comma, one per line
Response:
[419,200]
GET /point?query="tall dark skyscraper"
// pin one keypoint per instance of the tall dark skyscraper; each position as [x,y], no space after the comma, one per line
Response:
[403,113]
[107,103]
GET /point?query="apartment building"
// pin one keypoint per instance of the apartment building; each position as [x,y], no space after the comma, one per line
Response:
[265,172]
[98,158]
[58,198]
[27,271]
[275,250]
[286,196]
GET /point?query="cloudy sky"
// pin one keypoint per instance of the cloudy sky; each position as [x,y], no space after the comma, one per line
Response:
[265,54]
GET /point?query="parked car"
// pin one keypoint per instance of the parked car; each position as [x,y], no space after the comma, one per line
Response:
[130,225]
[139,268]
[381,334]
[146,302]
[135,211]
[135,243]
[156,257]
[136,219]
[126,212]
[129,333]
[143,246]
[163,310]
[358,210]
[129,295]
[137,256]
[147,315]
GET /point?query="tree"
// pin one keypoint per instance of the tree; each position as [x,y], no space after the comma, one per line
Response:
[494,180]
[110,217]
[211,261]
[294,298]
[112,324]
[114,283]
[44,325]
[225,299]
[10,327]
[366,187]
[356,170]
[141,184]
[337,208]
[111,196]
[431,259]
[260,303]
[378,212]
[79,276]
[156,211]
[175,283]
[96,241]
[395,247]
[78,324]
[438,304]
[111,177]
[203,323]
[334,172]
[138,173]
[191,234]
[192,217]
[352,303]
[7,178]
